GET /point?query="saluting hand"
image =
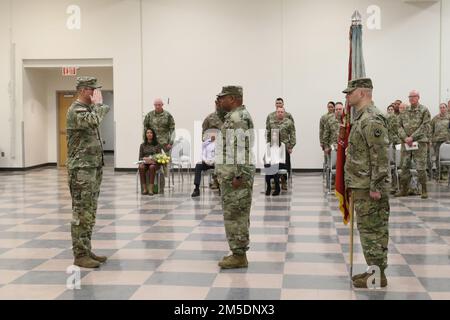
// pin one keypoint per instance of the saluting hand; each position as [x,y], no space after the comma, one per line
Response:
[237,183]
[97,97]
[375,195]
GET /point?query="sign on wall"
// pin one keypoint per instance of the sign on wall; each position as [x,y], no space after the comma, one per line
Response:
[69,71]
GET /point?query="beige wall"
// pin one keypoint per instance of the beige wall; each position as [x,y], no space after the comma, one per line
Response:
[297,49]
[445,52]
[4,82]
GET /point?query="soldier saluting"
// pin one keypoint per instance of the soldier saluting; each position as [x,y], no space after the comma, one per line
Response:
[85,167]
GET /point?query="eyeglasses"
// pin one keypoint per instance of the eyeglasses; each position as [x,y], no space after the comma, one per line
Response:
[413,96]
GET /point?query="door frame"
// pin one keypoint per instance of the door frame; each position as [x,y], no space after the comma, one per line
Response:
[74,92]
[58,108]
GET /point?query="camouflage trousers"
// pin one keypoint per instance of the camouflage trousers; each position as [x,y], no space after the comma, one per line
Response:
[84,184]
[420,158]
[236,211]
[373,225]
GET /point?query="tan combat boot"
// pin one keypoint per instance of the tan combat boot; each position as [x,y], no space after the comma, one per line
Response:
[403,191]
[101,259]
[86,262]
[234,262]
[361,282]
[424,191]
[215,185]
[283,183]
[358,276]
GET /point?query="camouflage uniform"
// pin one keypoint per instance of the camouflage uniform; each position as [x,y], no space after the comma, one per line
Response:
[392,122]
[323,121]
[331,132]
[440,133]
[414,122]
[84,164]
[164,126]
[366,170]
[272,117]
[236,203]
[213,121]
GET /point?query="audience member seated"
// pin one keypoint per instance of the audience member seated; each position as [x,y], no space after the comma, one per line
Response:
[208,162]
[149,167]
[274,160]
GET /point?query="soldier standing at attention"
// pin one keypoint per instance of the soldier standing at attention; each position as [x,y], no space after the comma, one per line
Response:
[331,129]
[331,108]
[163,123]
[440,132]
[413,127]
[366,175]
[236,172]
[85,167]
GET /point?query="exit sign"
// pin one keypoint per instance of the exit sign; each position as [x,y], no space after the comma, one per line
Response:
[69,71]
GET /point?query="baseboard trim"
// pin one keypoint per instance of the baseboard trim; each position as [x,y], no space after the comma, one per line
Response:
[44,165]
[192,170]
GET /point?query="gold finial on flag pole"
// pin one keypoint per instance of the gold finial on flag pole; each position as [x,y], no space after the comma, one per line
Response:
[356,18]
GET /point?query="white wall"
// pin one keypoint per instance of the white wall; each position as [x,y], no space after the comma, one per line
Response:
[109,29]
[107,126]
[35,118]
[445,52]
[297,49]
[5,136]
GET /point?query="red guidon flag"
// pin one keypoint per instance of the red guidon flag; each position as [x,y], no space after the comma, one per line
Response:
[356,70]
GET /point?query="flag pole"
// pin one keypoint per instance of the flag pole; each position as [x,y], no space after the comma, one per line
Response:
[356,21]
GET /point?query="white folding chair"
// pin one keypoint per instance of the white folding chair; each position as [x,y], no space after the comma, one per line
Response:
[181,157]
[208,172]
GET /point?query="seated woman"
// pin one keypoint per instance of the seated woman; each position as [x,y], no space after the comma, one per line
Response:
[274,160]
[148,169]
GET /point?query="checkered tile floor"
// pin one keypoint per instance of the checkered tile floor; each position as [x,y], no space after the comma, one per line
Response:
[167,246]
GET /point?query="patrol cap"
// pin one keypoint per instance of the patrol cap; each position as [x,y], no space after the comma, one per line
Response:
[365,83]
[88,82]
[231,91]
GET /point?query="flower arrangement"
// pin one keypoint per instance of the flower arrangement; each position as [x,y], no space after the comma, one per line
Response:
[161,159]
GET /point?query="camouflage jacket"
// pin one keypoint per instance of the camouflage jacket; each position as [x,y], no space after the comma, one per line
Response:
[287,131]
[146,150]
[163,124]
[212,121]
[272,117]
[323,120]
[440,128]
[236,158]
[367,164]
[392,121]
[84,146]
[331,132]
[415,123]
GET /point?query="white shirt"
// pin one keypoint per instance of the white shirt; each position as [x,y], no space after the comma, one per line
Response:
[275,154]
[209,152]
